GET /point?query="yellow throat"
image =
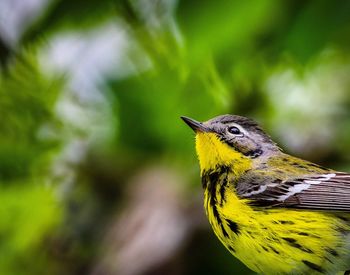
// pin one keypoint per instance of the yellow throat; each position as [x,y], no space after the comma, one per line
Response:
[212,152]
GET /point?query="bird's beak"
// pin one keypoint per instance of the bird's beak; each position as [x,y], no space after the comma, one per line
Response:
[195,125]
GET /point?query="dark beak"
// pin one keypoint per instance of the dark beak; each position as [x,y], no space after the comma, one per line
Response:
[195,125]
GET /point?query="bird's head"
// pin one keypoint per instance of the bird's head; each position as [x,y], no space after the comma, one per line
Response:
[230,140]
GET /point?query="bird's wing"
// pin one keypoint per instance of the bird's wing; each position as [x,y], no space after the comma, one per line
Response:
[328,191]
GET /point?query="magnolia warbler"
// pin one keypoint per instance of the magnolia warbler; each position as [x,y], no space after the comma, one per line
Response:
[276,213]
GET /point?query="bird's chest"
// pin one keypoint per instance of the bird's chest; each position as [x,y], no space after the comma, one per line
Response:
[225,228]
[217,188]
[272,242]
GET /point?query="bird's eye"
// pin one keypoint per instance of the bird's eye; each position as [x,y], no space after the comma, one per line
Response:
[234,130]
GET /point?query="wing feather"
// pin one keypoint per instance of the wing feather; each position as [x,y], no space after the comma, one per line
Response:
[329,191]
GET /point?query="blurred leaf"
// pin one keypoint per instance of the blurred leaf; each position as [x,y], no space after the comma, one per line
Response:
[319,25]
[65,14]
[221,25]
[27,101]
[28,213]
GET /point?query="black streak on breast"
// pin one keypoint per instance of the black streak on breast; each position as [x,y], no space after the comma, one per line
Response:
[210,181]
[313,266]
[233,226]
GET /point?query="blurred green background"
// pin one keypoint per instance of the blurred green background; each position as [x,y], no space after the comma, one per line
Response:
[98,175]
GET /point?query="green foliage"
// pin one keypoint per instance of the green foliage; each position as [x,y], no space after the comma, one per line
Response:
[27,101]
[65,15]
[28,213]
[227,25]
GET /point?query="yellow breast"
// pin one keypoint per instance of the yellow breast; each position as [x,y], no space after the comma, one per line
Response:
[277,241]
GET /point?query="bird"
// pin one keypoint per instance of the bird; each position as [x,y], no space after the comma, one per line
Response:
[276,213]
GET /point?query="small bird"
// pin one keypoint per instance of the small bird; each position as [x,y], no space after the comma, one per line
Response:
[276,213]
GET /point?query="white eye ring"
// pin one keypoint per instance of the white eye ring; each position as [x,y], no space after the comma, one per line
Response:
[235,131]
